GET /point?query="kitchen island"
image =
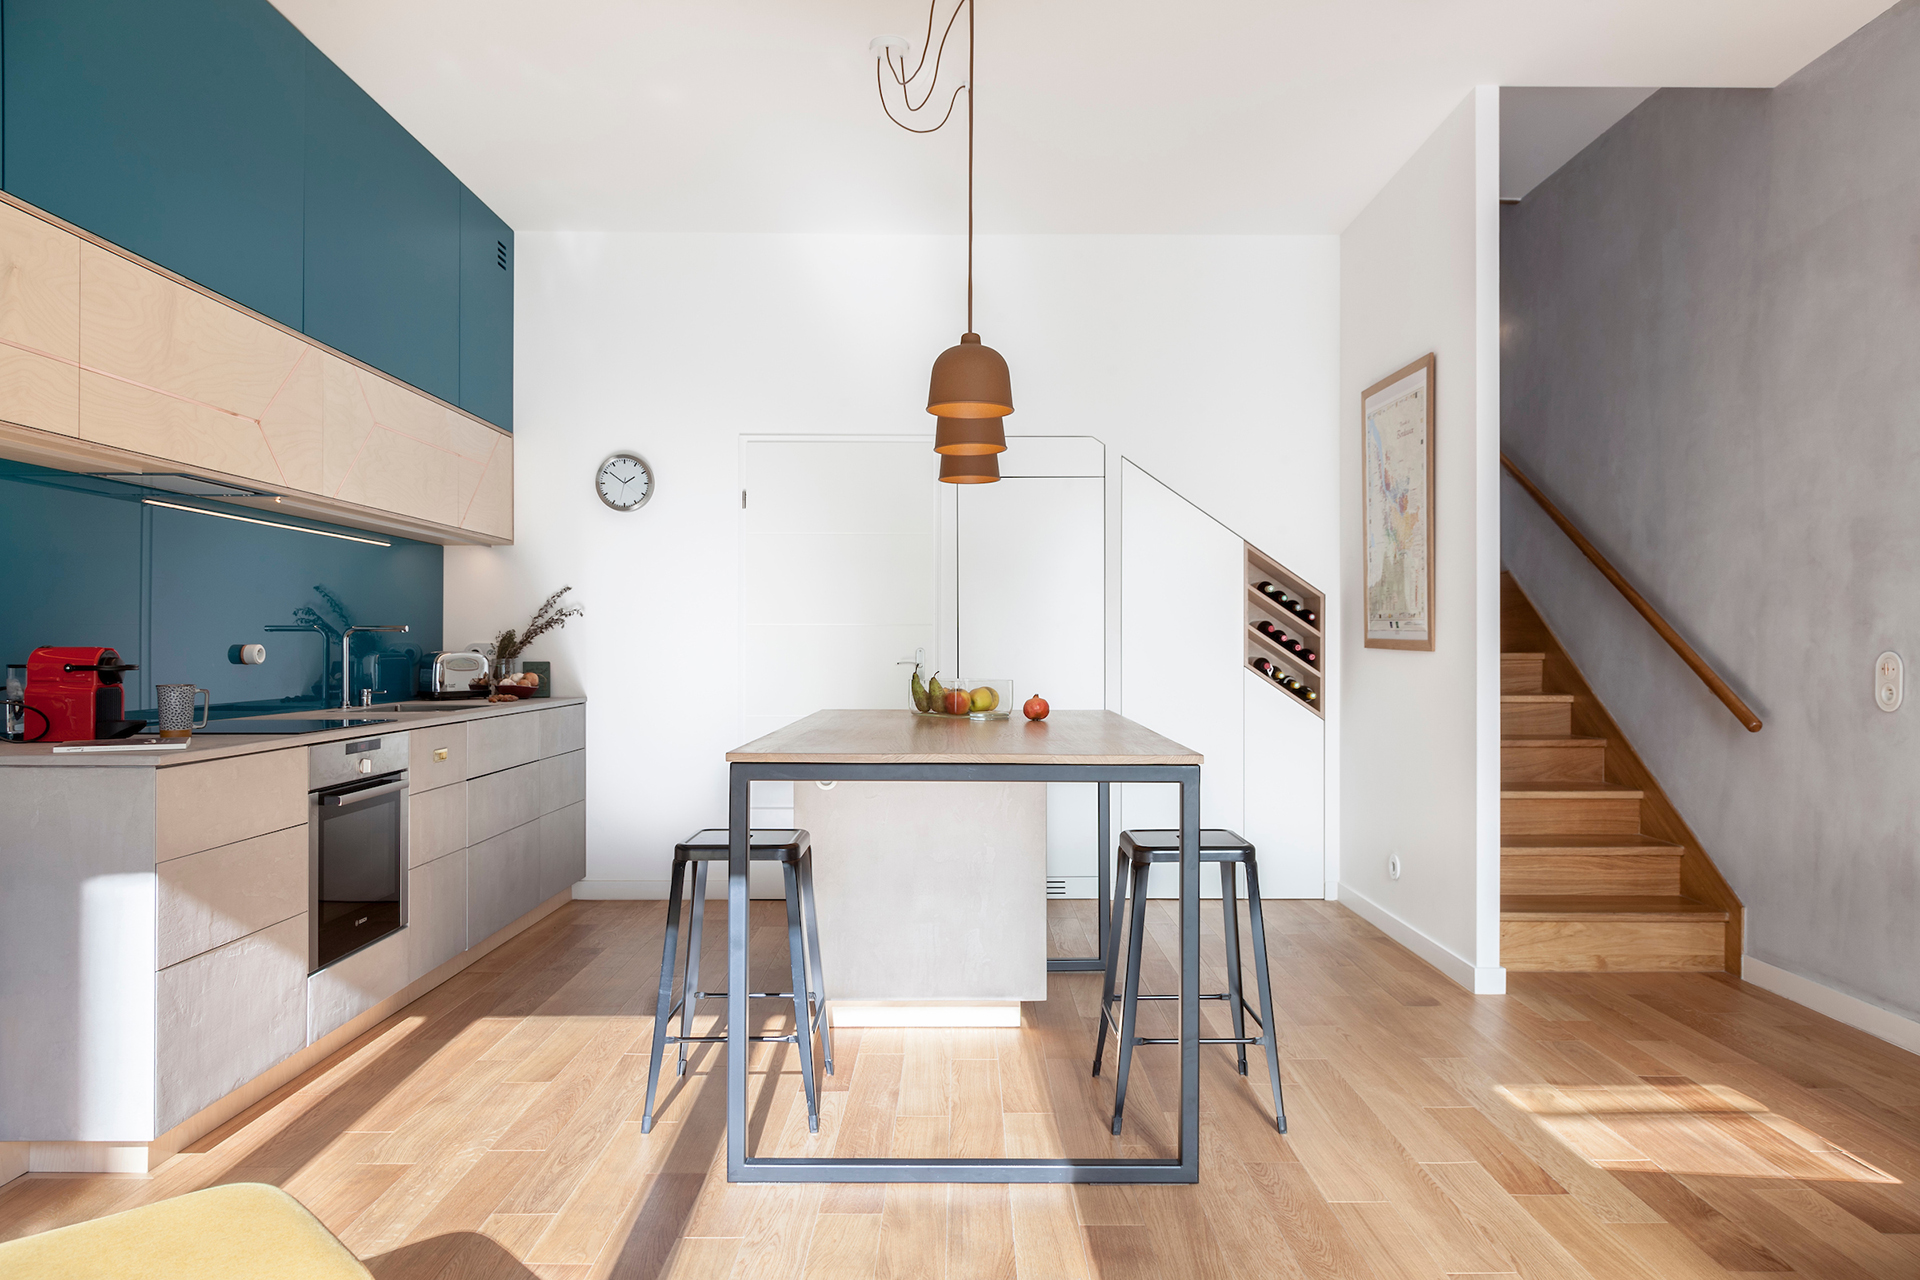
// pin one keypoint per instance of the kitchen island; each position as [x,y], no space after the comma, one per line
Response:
[903,746]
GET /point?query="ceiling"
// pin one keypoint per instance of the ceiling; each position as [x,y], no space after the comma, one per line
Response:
[1116,116]
[1542,129]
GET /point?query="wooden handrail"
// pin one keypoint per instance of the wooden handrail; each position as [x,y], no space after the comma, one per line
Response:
[1708,676]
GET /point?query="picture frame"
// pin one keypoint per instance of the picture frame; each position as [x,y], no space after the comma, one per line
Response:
[1397,429]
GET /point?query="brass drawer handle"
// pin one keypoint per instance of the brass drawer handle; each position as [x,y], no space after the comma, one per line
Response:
[440,753]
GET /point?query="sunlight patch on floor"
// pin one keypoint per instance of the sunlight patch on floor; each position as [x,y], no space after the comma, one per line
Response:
[1691,1128]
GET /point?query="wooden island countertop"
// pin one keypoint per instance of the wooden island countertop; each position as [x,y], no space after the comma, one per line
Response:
[906,737]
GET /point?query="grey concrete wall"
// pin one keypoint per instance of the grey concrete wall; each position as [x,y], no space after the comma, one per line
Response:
[1711,360]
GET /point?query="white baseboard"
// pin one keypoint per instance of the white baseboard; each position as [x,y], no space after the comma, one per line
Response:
[1896,1029]
[1482,980]
[928,1013]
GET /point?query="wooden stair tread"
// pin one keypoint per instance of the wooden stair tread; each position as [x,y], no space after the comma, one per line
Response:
[1567,791]
[1580,907]
[1536,697]
[1531,657]
[1550,740]
[1587,844]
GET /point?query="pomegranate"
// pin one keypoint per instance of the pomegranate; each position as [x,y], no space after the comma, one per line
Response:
[1036,708]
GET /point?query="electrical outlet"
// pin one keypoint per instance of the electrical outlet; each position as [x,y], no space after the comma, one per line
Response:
[1889,681]
[1393,866]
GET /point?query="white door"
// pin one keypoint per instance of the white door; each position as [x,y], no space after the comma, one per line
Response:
[838,568]
[1286,791]
[1031,605]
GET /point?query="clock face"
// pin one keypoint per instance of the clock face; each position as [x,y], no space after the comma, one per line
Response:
[625,482]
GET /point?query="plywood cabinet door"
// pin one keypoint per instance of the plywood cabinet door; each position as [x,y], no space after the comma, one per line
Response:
[502,801]
[39,324]
[175,374]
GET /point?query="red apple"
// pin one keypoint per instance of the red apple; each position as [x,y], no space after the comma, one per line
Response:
[959,702]
[1036,708]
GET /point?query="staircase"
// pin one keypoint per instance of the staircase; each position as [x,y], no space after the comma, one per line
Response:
[1597,870]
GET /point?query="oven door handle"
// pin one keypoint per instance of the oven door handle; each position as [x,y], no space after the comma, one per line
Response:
[366,793]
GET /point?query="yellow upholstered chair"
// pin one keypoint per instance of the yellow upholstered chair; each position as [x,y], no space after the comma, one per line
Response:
[242,1231]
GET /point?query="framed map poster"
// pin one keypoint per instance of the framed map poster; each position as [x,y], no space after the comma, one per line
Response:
[1397,504]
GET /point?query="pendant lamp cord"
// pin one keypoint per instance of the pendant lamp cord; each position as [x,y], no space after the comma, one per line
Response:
[902,77]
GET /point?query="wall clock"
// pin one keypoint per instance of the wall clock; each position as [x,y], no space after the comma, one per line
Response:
[624,482]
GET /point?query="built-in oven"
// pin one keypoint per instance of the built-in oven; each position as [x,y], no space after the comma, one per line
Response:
[356,845]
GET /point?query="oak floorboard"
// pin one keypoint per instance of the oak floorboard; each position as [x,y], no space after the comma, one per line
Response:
[1612,1126]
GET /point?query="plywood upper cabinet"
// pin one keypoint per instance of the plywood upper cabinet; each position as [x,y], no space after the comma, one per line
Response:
[120,357]
[39,324]
[169,372]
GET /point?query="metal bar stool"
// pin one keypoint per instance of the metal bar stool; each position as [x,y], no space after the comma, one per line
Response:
[1140,850]
[794,851]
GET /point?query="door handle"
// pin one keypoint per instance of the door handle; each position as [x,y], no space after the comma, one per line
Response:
[341,799]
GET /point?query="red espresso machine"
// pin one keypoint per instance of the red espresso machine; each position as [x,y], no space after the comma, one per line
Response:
[77,690]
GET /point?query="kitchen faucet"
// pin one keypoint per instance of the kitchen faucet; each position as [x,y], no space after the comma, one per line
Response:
[346,663]
[326,647]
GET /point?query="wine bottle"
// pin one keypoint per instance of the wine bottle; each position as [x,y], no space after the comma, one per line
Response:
[1264,667]
[1309,694]
[1268,589]
[1266,628]
[1308,655]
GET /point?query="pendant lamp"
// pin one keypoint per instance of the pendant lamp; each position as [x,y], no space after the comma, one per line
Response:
[971,389]
[970,435]
[969,468]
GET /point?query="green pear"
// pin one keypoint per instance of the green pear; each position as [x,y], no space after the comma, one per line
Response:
[936,695]
[919,690]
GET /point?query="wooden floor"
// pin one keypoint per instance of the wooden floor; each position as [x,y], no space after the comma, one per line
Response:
[1637,1126]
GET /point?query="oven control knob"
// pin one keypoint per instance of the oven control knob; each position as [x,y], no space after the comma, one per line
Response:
[366,766]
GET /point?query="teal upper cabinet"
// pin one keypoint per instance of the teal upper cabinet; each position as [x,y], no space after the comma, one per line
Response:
[211,137]
[486,312]
[383,238]
[173,130]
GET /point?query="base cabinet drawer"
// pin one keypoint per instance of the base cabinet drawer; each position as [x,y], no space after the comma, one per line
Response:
[436,913]
[228,1015]
[348,988]
[205,806]
[563,780]
[436,757]
[503,881]
[436,823]
[502,741]
[563,849]
[502,801]
[209,899]
[562,729]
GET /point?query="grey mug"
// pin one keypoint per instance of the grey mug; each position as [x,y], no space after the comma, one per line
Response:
[178,709]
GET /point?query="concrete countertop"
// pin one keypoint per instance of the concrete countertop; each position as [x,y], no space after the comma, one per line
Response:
[404,716]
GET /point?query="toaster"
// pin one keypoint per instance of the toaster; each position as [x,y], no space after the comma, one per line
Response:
[451,674]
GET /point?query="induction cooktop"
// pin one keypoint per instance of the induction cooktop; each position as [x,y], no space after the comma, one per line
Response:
[246,724]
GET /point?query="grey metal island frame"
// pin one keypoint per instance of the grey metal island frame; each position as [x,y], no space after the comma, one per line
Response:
[902,746]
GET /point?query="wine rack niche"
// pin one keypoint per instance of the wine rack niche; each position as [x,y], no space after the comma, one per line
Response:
[1296,653]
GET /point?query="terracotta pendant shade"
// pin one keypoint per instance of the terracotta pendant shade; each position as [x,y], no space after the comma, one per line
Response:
[970,380]
[970,435]
[969,468]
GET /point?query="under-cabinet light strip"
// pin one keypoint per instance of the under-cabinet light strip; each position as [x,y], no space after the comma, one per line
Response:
[271,524]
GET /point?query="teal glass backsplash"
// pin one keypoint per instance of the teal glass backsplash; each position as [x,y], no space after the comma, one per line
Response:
[86,562]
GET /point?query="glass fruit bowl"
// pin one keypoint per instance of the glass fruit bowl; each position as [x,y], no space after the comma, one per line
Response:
[973,699]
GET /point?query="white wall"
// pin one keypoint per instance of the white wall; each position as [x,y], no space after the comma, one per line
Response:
[1209,360]
[1419,738]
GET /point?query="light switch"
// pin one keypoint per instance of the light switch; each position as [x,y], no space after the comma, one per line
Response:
[1889,681]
